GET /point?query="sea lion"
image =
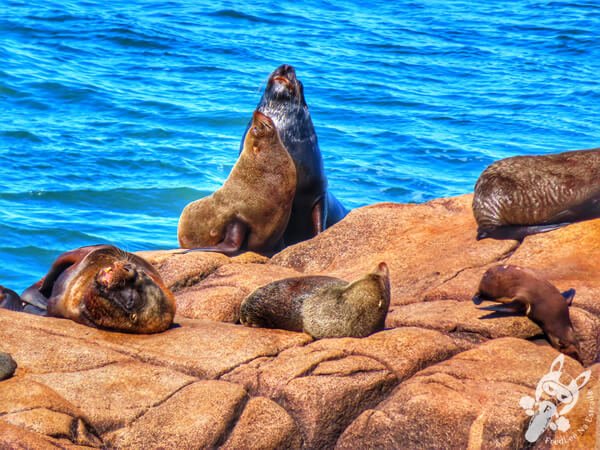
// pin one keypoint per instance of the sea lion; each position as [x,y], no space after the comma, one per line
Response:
[521,291]
[314,208]
[252,208]
[7,366]
[10,300]
[104,287]
[524,195]
[323,307]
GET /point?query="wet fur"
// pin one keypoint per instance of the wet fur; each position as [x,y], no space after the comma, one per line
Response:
[258,194]
[529,294]
[523,195]
[285,103]
[323,307]
[71,290]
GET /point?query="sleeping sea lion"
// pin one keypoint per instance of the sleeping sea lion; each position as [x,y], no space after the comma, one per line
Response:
[523,195]
[323,307]
[314,208]
[523,292]
[252,208]
[104,287]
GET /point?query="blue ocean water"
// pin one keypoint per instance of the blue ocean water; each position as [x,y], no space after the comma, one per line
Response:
[115,114]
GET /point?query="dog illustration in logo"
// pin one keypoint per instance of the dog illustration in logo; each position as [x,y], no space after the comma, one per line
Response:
[553,400]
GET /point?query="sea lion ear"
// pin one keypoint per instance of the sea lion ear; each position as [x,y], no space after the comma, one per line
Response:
[568,296]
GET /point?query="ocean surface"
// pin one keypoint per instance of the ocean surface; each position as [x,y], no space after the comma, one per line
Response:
[116,114]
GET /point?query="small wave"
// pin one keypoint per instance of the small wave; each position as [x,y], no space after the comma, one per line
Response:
[233,14]
[21,135]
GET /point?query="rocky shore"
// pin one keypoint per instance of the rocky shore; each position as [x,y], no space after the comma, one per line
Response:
[437,377]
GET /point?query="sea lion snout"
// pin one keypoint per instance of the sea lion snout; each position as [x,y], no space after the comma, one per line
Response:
[116,275]
[283,81]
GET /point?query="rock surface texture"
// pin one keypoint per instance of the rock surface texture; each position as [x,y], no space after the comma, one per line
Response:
[437,377]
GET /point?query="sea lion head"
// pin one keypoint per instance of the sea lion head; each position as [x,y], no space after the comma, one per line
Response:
[105,287]
[262,134]
[125,296]
[565,341]
[284,85]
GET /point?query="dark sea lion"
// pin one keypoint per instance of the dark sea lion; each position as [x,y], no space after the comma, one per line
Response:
[104,287]
[523,292]
[524,195]
[10,300]
[314,208]
[323,307]
[7,366]
[252,208]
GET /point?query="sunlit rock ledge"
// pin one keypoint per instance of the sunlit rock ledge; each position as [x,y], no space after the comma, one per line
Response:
[437,377]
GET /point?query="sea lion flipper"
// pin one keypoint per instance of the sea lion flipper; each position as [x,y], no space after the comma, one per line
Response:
[514,308]
[568,296]
[235,236]
[516,232]
[319,216]
[62,263]
[33,297]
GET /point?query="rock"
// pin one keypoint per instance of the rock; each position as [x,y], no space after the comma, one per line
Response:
[461,319]
[440,377]
[196,416]
[35,407]
[326,384]
[180,270]
[219,296]
[113,396]
[264,425]
[7,366]
[424,246]
[469,401]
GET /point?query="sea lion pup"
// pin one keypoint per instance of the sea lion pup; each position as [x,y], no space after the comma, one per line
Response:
[524,195]
[252,208]
[323,307]
[522,292]
[314,208]
[104,287]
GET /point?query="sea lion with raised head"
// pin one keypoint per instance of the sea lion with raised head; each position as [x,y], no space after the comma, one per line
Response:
[104,287]
[252,208]
[524,195]
[521,291]
[314,208]
[323,307]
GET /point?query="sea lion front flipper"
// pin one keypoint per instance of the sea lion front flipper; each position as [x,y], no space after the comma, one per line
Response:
[568,296]
[516,232]
[36,302]
[235,236]
[319,216]
[62,263]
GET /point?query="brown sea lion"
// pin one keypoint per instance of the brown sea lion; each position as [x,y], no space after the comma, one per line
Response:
[323,307]
[314,208]
[252,208]
[104,287]
[524,195]
[521,291]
